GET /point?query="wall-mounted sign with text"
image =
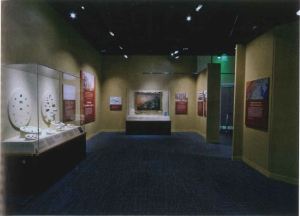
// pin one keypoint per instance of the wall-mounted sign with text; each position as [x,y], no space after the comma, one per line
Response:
[69,102]
[257,104]
[88,95]
[181,103]
[115,103]
[200,102]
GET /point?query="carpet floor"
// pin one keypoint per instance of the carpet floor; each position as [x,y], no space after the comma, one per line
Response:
[177,174]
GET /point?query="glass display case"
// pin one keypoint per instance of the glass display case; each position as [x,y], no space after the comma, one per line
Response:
[148,112]
[152,105]
[40,108]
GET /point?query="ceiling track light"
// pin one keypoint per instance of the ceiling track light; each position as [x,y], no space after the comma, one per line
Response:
[121,48]
[82,7]
[198,8]
[73,15]
[125,56]
[176,57]
[176,52]
[189,18]
[111,33]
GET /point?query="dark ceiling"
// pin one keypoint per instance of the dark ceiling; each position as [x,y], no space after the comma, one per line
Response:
[160,26]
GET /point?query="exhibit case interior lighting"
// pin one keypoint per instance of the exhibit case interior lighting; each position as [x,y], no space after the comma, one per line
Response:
[152,105]
[40,108]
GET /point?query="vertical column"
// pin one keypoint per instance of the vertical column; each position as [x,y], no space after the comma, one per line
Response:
[213,103]
[238,107]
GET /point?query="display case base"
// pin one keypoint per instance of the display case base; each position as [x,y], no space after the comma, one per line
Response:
[33,173]
[148,127]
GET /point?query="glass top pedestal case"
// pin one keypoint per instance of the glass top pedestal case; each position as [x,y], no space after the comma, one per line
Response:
[40,108]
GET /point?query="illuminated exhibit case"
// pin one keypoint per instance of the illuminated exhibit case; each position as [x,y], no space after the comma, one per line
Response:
[40,111]
[148,112]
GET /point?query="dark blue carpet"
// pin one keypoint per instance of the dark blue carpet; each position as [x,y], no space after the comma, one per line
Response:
[177,174]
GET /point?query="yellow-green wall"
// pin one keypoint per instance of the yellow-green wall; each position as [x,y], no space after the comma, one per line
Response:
[201,85]
[32,32]
[274,55]
[258,64]
[121,75]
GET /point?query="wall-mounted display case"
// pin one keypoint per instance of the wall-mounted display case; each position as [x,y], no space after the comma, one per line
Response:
[148,112]
[148,105]
[40,108]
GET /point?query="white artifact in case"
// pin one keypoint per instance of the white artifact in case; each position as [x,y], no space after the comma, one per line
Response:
[19,108]
[49,107]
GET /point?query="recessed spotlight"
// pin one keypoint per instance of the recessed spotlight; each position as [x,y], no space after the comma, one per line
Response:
[176,52]
[176,57]
[126,56]
[198,8]
[172,54]
[82,7]
[121,48]
[111,33]
[298,13]
[189,18]
[219,57]
[73,15]
[254,27]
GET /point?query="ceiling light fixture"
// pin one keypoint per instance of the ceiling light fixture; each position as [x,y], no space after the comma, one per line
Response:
[111,33]
[73,15]
[121,48]
[172,54]
[189,18]
[176,57]
[198,8]
[125,56]
[298,13]
[82,7]
[176,52]
[219,57]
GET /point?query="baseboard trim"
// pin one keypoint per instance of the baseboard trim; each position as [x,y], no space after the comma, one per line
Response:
[112,130]
[269,174]
[237,158]
[286,179]
[256,167]
[92,135]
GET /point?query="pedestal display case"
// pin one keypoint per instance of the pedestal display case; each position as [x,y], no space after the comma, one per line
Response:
[148,112]
[40,116]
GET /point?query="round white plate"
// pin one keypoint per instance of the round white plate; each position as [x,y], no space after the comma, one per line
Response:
[31,137]
[49,107]
[19,108]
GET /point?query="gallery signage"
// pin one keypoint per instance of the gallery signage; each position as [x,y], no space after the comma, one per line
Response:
[87,97]
[205,103]
[69,102]
[257,104]
[115,103]
[200,102]
[181,103]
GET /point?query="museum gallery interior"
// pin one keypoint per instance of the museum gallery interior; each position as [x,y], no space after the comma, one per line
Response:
[149,107]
